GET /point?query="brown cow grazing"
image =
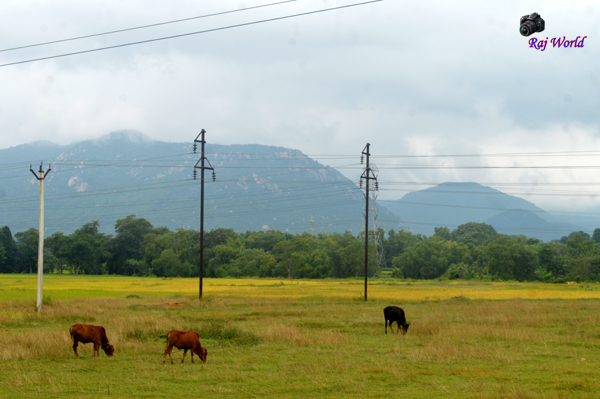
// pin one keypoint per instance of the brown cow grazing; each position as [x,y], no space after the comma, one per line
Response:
[395,314]
[185,340]
[86,333]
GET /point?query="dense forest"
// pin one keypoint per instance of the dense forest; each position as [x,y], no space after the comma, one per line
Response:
[471,251]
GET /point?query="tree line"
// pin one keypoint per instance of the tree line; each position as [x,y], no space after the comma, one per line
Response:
[471,251]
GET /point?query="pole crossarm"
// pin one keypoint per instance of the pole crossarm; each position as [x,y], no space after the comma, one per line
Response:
[202,159]
[43,174]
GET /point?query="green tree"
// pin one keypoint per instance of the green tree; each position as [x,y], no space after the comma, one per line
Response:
[583,268]
[57,245]
[442,233]
[319,265]
[580,244]
[352,261]
[397,243]
[212,239]
[87,250]
[134,267]
[288,256]
[8,242]
[187,246]
[224,254]
[127,244]
[474,233]
[169,265]
[596,235]
[583,234]
[250,262]
[510,260]
[550,261]
[308,256]
[27,250]
[265,240]
[2,257]
[430,259]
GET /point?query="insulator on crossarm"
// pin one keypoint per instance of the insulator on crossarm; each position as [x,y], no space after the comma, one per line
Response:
[214,176]
[194,174]
[362,159]
[376,185]
[195,146]
[360,184]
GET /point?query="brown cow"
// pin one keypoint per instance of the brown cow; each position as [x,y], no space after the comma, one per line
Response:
[185,340]
[86,333]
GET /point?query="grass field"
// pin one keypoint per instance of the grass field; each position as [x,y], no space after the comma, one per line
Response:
[273,338]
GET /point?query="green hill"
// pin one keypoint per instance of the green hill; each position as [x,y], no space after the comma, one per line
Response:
[257,187]
[453,204]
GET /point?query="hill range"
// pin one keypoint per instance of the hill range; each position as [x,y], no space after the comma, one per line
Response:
[452,204]
[256,188]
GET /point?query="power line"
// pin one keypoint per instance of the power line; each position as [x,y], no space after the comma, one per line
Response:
[506,154]
[357,167]
[191,33]
[309,157]
[145,26]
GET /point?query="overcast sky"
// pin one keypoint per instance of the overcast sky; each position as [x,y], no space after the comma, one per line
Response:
[411,77]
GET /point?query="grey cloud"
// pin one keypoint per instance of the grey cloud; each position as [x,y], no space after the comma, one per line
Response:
[407,76]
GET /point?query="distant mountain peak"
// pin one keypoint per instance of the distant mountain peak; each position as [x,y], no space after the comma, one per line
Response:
[132,136]
[463,186]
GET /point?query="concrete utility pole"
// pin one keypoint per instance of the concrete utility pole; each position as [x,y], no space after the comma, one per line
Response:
[40,270]
[202,141]
[367,175]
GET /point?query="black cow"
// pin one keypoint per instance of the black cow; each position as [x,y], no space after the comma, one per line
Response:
[395,314]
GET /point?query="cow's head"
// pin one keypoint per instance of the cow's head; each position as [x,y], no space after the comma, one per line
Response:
[108,349]
[405,328]
[201,352]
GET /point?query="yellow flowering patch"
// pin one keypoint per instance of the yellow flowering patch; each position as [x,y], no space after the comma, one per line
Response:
[24,286]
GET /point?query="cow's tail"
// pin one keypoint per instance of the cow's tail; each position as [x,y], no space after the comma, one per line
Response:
[71,332]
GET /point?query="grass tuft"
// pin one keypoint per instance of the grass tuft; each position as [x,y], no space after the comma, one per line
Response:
[218,331]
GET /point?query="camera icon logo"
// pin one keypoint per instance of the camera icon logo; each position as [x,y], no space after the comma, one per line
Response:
[531,24]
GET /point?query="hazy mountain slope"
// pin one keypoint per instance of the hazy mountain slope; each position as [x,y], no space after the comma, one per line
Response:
[125,173]
[517,222]
[452,204]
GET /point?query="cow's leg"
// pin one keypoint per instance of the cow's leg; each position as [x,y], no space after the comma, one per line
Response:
[386,325]
[96,349]
[75,343]
[192,353]
[168,350]
[184,352]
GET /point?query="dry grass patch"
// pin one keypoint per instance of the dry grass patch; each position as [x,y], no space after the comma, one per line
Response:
[285,333]
[295,335]
[53,345]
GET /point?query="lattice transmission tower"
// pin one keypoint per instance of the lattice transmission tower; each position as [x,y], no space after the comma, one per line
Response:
[374,235]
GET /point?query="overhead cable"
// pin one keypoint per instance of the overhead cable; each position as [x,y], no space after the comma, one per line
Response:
[190,33]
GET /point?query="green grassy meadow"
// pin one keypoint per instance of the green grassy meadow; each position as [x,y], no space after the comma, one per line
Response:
[288,339]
